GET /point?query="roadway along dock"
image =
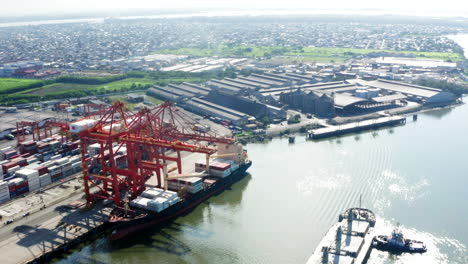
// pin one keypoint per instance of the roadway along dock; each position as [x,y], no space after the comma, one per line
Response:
[333,131]
[41,238]
[50,227]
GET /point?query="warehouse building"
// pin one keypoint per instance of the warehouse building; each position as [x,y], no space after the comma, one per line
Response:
[246,104]
[315,103]
[206,108]
[420,94]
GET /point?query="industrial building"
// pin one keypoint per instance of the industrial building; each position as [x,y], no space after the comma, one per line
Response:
[317,103]
[246,104]
[207,108]
[353,97]
[416,93]
[267,94]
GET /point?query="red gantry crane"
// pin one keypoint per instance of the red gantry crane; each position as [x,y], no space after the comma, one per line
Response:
[121,149]
[39,130]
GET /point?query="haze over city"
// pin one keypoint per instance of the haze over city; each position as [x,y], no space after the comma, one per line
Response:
[114,7]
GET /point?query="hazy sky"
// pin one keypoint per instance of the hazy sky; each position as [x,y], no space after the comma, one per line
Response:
[23,7]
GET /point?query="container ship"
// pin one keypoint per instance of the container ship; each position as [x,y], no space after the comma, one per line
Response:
[157,206]
[349,240]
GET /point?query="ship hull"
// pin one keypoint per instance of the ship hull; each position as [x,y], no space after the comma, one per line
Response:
[125,227]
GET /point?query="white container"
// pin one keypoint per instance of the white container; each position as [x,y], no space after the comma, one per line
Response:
[116,128]
[45,180]
[14,169]
[56,157]
[81,125]
[27,173]
[61,161]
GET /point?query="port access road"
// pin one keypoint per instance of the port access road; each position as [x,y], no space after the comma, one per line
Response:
[31,236]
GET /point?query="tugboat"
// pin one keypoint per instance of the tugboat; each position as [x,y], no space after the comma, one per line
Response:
[397,243]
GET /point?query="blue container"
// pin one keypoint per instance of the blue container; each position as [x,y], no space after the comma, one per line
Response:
[8,177]
[22,190]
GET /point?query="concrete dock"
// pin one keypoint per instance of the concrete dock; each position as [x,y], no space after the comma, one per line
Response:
[52,229]
[333,131]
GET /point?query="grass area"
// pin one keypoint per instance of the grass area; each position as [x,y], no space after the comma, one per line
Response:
[58,87]
[131,106]
[122,98]
[133,83]
[301,53]
[7,83]
[73,86]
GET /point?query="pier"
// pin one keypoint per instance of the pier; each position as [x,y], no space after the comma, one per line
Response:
[53,231]
[333,131]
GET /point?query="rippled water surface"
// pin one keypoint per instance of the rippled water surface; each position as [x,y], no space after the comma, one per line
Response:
[415,174]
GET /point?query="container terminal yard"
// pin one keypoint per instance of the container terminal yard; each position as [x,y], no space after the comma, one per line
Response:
[108,169]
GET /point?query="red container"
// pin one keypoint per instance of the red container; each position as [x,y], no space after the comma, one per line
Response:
[42,170]
[28,143]
[10,154]
[26,155]
[21,185]
[12,187]
[220,166]
[73,146]
[14,156]
[8,165]
[58,175]
[20,161]
[42,145]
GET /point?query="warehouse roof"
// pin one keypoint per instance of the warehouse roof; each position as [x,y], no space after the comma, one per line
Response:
[162,93]
[260,80]
[344,100]
[216,109]
[198,87]
[389,98]
[404,88]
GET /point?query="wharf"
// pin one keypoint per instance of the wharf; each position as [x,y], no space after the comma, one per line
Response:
[50,228]
[333,131]
[40,240]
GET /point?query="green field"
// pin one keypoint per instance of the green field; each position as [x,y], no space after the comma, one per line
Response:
[131,106]
[300,53]
[21,91]
[64,87]
[7,83]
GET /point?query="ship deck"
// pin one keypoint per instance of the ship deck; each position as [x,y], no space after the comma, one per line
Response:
[354,246]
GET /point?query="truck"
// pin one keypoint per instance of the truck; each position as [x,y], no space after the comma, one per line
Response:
[201,128]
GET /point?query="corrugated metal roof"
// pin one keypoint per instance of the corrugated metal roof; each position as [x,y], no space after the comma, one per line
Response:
[343,100]
[389,98]
[403,88]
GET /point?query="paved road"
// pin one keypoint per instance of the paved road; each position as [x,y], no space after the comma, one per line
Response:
[28,237]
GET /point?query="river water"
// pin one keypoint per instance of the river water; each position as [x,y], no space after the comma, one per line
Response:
[414,174]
